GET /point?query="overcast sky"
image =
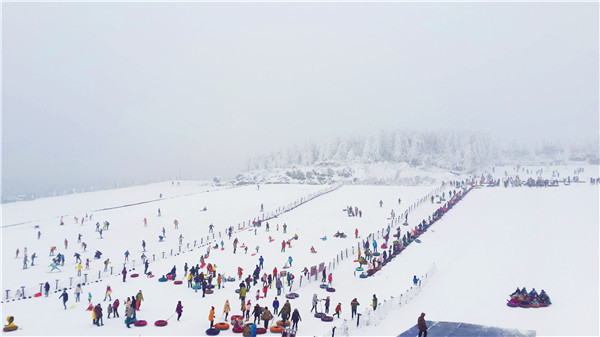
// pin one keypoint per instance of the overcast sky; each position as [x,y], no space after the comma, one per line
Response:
[102,92]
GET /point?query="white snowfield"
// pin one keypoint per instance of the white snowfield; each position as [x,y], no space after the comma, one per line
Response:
[494,240]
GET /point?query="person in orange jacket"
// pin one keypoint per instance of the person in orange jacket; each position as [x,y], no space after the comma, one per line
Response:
[211,316]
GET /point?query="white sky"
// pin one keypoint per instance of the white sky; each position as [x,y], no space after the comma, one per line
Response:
[103,92]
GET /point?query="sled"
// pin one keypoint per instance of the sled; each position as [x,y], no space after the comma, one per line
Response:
[222,248]
[73,306]
[417,241]
[37,295]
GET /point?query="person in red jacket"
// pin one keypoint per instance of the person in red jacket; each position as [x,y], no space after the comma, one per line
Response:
[421,325]
[338,310]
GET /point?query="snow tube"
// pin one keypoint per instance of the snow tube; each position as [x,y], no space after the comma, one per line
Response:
[280,323]
[524,305]
[417,241]
[236,317]
[290,296]
[542,305]
[384,246]
[196,287]
[512,305]
[237,291]
[405,224]
[363,276]
[323,286]
[170,278]
[327,318]
[160,322]
[212,332]
[230,279]
[140,323]
[359,269]
[162,279]
[37,295]
[178,282]
[331,290]
[208,291]
[376,254]
[134,275]
[260,331]
[238,330]
[320,315]
[222,326]
[534,305]
[370,272]
[10,328]
[276,329]
[295,295]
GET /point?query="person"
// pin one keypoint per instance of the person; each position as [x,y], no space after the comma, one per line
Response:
[285,311]
[139,298]
[327,303]
[115,307]
[290,260]
[421,325]
[211,316]
[295,318]
[257,311]
[226,309]
[354,305]
[107,293]
[65,298]
[124,272]
[109,310]
[330,278]
[338,310]
[98,312]
[33,256]
[374,302]
[415,279]
[275,306]
[77,292]
[356,233]
[261,260]
[46,288]
[129,313]
[266,316]
[314,303]
[179,310]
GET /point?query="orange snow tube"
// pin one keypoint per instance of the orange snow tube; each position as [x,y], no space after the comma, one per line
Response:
[276,329]
[222,326]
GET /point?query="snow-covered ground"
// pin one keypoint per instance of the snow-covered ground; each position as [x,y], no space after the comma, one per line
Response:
[493,241]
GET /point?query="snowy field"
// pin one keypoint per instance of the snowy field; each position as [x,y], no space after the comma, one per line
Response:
[494,240]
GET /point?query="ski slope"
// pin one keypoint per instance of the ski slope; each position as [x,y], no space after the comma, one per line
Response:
[494,240]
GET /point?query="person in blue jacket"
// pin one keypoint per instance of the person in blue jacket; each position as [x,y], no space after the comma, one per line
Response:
[415,280]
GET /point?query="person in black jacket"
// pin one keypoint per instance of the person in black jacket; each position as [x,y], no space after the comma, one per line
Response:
[65,298]
[295,318]
[257,312]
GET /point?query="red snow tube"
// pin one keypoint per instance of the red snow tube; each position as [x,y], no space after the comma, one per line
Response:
[238,330]
[236,317]
[37,295]
[276,329]
[260,331]
[169,277]
[327,318]
[384,246]
[178,282]
[222,326]
[140,323]
[160,322]
[134,275]
[212,332]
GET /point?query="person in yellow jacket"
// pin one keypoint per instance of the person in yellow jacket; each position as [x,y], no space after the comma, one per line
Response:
[190,277]
[79,269]
[226,309]
[93,316]
[211,316]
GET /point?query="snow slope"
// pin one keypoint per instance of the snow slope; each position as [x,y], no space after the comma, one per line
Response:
[493,241]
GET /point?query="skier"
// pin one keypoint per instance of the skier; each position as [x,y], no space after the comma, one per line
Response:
[179,310]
